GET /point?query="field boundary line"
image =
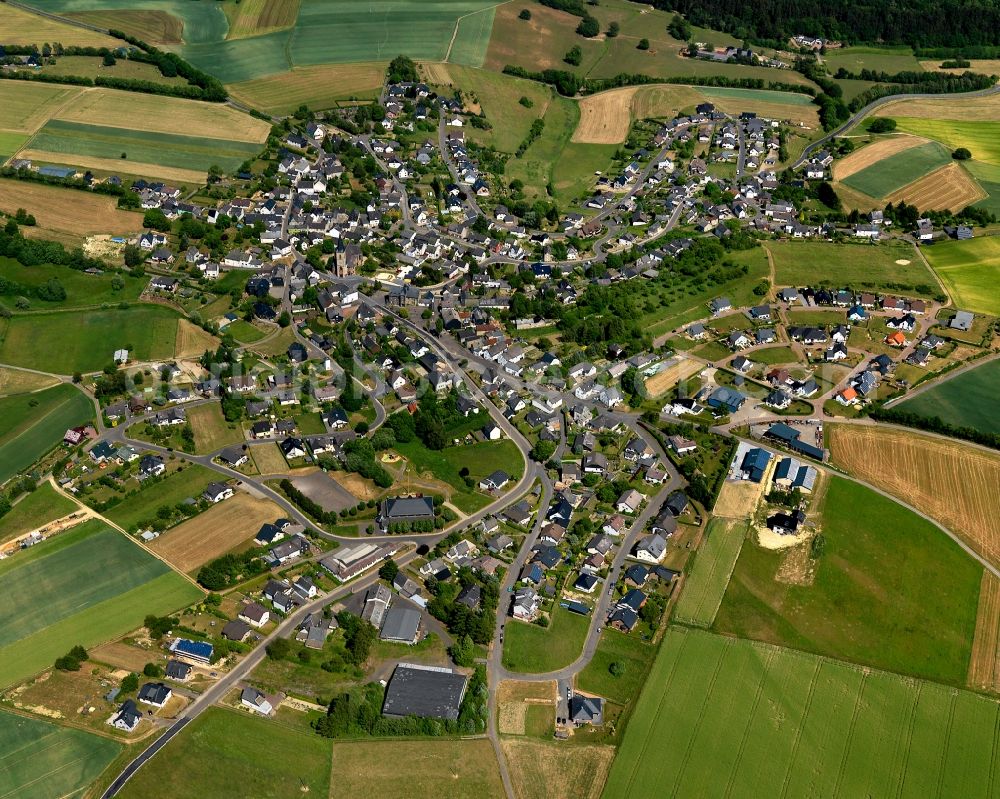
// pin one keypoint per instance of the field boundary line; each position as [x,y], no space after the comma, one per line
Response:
[993,754]
[798,733]
[771,655]
[947,741]
[730,643]
[850,732]
[458,22]
[911,722]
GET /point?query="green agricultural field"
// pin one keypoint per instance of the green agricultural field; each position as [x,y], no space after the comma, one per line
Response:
[982,139]
[966,400]
[756,95]
[172,150]
[85,586]
[883,178]
[34,510]
[203,22]
[617,647]
[35,423]
[85,341]
[219,754]
[172,489]
[860,266]
[10,143]
[39,760]
[971,271]
[988,177]
[857,608]
[481,459]
[880,59]
[713,564]
[724,717]
[529,648]
[81,289]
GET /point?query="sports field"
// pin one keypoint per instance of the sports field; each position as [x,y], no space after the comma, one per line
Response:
[889,174]
[805,263]
[857,607]
[220,529]
[84,586]
[724,717]
[966,400]
[971,271]
[220,754]
[34,423]
[66,342]
[39,760]
[706,582]
[36,509]
[949,481]
[177,486]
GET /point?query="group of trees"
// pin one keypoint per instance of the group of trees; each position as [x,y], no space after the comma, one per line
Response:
[230,569]
[72,660]
[32,252]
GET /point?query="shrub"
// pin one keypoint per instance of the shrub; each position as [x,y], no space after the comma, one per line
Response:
[961,154]
[882,125]
[525,14]
[643,44]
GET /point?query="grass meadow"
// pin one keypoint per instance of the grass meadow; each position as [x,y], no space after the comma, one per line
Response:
[868,602]
[220,754]
[39,760]
[614,646]
[85,341]
[720,716]
[35,423]
[713,564]
[81,289]
[36,509]
[971,272]
[860,266]
[981,138]
[880,59]
[211,430]
[966,400]
[85,587]
[177,486]
[532,649]
[886,176]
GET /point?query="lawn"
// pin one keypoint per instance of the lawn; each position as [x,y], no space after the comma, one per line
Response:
[85,586]
[617,647]
[221,753]
[966,400]
[175,150]
[177,486]
[884,177]
[713,565]
[81,289]
[480,459]
[774,355]
[39,760]
[531,649]
[35,423]
[723,717]
[971,271]
[434,769]
[857,608]
[36,509]
[860,266]
[85,341]
[243,331]
[211,430]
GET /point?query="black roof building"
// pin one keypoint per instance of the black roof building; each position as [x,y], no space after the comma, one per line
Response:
[424,691]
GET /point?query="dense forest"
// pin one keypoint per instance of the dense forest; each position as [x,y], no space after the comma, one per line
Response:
[919,23]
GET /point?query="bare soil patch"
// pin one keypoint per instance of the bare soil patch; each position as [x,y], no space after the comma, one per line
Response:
[738,499]
[679,370]
[873,153]
[797,567]
[215,532]
[324,490]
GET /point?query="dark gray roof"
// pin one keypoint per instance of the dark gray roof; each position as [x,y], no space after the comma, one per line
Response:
[401,624]
[424,691]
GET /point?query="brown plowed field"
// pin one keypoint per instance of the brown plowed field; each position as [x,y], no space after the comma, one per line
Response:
[954,483]
[984,664]
[948,188]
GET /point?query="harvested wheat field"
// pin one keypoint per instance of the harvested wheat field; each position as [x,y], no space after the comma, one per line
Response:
[68,211]
[17,381]
[155,27]
[317,87]
[540,770]
[513,698]
[948,188]
[23,27]
[966,109]
[956,484]
[678,370]
[605,118]
[254,17]
[663,100]
[984,663]
[114,166]
[436,72]
[981,66]
[215,532]
[158,114]
[873,153]
[193,341]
